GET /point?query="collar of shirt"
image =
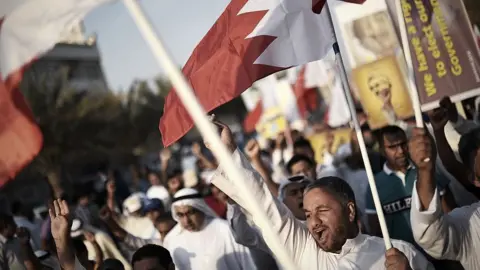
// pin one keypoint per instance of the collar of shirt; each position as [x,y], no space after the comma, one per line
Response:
[399,174]
[350,244]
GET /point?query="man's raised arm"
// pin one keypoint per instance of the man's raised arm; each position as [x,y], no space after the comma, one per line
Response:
[291,231]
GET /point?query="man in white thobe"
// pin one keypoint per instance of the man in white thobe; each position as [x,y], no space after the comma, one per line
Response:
[201,240]
[452,236]
[331,239]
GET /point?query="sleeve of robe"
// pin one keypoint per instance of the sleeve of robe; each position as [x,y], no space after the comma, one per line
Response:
[244,233]
[445,237]
[293,234]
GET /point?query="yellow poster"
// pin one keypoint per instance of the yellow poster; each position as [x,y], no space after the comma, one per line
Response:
[383,92]
[272,123]
[320,141]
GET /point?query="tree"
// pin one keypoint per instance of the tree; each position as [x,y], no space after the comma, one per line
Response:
[84,127]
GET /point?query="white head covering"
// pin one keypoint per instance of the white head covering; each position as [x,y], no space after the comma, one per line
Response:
[77,228]
[191,197]
[291,180]
[133,203]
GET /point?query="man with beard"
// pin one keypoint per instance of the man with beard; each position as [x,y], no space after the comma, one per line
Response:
[395,186]
[290,192]
[329,204]
[201,240]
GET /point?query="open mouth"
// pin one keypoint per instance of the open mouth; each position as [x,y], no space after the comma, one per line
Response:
[321,235]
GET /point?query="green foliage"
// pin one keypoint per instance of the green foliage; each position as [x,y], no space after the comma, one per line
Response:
[94,126]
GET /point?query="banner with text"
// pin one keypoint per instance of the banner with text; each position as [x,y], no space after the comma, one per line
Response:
[444,52]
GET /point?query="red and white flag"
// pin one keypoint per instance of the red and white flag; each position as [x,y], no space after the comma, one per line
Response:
[250,40]
[28,28]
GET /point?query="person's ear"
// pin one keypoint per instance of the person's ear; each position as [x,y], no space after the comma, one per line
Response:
[352,211]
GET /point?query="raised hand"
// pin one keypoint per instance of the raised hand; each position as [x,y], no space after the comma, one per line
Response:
[438,118]
[450,109]
[396,260]
[60,220]
[421,150]
[226,136]
[111,187]
[252,149]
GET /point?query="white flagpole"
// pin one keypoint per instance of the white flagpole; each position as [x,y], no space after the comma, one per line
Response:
[361,141]
[410,71]
[207,130]
[363,149]
[417,107]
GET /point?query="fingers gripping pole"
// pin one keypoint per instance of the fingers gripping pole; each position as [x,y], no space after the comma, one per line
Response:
[207,130]
[363,150]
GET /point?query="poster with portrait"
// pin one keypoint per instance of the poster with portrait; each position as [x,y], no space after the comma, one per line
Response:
[271,123]
[374,60]
[320,141]
[383,92]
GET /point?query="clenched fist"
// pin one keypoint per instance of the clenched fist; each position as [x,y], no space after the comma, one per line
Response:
[396,260]
[421,150]
[252,149]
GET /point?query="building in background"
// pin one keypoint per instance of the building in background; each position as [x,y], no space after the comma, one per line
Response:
[81,58]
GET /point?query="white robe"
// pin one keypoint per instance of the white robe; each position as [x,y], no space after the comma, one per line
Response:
[361,252]
[213,247]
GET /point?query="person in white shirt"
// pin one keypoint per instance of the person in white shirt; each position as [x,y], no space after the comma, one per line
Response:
[157,190]
[452,236]
[201,240]
[331,238]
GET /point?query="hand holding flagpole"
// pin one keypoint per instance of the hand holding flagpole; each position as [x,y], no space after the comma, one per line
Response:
[410,71]
[207,129]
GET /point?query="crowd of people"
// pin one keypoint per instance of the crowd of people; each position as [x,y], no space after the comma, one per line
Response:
[427,181]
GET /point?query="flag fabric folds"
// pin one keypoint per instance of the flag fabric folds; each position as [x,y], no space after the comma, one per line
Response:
[250,40]
[28,28]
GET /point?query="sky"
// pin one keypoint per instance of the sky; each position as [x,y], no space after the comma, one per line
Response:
[126,57]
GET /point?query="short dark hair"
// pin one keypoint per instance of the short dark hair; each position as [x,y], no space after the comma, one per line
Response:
[167,216]
[302,142]
[153,251]
[297,158]
[392,133]
[337,187]
[468,145]
[5,220]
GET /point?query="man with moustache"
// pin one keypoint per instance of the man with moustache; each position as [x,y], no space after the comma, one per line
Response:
[395,186]
[331,238]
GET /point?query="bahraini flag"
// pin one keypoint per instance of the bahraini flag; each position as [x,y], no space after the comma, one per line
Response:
[28,28]
[249,41]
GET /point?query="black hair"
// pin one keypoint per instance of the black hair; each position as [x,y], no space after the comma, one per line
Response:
[468,145]
[112,264]
[153,251]
[167,216]
[5,220]
[392,133]
[302,142]
[297,158]
[17,207]
[336,187]
[173,172]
